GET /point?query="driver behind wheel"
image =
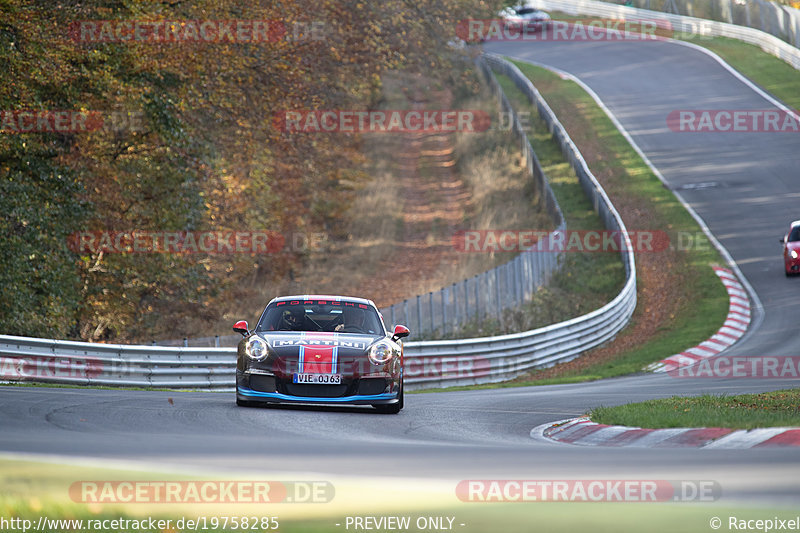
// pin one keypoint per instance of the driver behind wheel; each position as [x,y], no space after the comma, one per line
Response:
[292,320]
[352,319]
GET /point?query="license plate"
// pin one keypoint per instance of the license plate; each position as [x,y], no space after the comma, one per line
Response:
[317,379]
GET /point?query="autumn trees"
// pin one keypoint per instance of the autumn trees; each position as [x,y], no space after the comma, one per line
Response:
[187,143]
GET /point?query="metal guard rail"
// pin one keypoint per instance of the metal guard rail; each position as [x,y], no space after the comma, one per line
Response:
[428,364]
[680,24]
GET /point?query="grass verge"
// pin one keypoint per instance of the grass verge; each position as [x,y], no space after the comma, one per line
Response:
[699,302]
[765,70]
[570,292]
[773,75]
[681,300]
[32,490]
[745,411]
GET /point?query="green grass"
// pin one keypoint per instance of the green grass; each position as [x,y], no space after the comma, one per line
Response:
[517,518]
[554,517]
[29,490]
[570,293]
[773,75]
[746,411]
[700,316]
[569,517]
[704,303]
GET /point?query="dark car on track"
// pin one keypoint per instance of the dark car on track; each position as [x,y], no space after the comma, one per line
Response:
[791,249]
[320,350]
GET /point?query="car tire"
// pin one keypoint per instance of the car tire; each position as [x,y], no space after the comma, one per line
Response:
[392,408]
[244,403]
[401,395]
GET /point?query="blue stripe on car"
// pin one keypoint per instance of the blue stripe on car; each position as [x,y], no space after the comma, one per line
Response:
[279,396]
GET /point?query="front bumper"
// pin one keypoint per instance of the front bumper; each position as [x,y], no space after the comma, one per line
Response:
[268,387]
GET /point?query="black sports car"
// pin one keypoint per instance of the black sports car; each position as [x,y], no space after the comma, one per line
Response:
[320,349]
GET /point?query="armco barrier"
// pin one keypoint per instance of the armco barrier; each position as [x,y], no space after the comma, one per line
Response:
[508,285]
[490,359]
[428,364]
[678,23]
[86,363]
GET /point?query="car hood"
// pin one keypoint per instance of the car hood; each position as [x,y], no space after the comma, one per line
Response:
[288,343]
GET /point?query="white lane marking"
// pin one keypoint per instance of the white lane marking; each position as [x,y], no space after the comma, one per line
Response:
[734,440]
[712,345]
[601,436]
[740,318]
[723,337]
[700,351]
[657,436]
[703,226]
[730,331]
[537,433]
[681,359]
[735,325]
[745,439]
[765,95]
[739,309]
[736,292]
[739,301]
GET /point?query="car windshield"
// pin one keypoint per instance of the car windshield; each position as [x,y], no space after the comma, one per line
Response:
[794,234]
[342,317]
[526,11]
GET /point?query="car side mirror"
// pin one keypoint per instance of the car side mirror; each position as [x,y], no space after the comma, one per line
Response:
[241,327]
[781,240]
[400,332]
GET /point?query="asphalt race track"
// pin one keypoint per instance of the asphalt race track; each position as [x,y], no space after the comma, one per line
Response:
[486,434]
[447,436]
[756,183]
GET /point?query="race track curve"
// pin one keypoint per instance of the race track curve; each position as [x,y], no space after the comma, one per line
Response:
[485,434]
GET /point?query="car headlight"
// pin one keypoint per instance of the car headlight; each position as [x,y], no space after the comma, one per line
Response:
[380,352]
[256,348]
[793,253]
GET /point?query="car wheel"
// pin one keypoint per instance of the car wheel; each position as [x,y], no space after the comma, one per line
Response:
[244,403]
[400,403]
[392,408]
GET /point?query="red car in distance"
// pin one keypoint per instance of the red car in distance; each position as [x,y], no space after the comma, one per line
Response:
[791,249]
